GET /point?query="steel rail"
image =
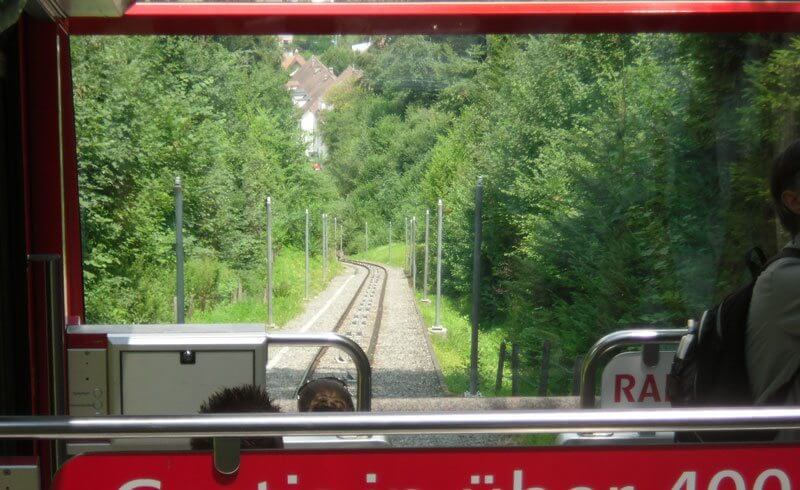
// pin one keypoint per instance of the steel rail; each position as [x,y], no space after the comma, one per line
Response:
[358,423]
[312,368]
[346,313]
[613,341]
[376,326]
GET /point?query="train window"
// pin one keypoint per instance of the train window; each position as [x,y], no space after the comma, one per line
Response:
[622,178]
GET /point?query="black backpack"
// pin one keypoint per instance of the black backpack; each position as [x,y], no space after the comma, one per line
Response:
[709,369]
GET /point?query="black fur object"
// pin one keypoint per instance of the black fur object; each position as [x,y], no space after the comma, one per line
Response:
[241,399]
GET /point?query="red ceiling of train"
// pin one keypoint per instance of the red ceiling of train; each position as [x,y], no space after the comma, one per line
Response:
[445,18]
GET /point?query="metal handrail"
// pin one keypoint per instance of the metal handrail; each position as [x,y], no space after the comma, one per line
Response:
[616,340]
[363,369]
[357,423]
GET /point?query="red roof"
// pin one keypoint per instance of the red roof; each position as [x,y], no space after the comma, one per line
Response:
[294,58]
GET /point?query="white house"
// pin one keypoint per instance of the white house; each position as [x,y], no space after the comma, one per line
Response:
[361,47]
[309,83]
[285,39]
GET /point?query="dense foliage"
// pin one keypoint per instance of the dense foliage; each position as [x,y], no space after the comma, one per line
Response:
[214,112]
[625,175]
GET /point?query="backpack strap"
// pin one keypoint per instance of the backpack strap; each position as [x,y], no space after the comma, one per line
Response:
[756,261]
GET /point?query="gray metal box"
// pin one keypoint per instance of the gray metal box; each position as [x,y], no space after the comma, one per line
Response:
[19,476]
[173,374]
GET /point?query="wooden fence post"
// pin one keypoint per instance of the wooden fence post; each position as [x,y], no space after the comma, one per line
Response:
[501,360]
[576,375]
[514,369]
[544,372]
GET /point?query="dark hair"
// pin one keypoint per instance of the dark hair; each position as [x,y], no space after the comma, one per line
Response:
[240,399]
[785,176]
[324,395]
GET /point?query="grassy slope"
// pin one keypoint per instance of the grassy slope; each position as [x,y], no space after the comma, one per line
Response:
[453,349]
[453,352]
[381,255]
[288,292]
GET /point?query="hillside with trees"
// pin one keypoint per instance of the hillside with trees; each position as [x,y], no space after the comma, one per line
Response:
[214,112]
[625,174]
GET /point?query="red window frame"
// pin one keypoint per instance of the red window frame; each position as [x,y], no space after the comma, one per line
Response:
[52,205]
[446,18]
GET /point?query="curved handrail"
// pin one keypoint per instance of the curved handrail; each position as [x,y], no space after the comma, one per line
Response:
[364,381]
[613,341]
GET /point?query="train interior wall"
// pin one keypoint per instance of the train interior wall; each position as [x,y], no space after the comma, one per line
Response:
[15,397]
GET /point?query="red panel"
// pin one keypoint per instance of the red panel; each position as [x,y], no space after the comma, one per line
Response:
[43,187]
[763,468]
[445,17]
[87,341]
[74,257]
[42,155]
[42,193]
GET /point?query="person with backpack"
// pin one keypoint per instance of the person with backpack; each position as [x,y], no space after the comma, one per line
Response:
[772,338]
[745,351]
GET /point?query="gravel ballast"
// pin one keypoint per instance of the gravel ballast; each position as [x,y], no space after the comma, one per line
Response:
[404,371]
[404,368]
[286,365]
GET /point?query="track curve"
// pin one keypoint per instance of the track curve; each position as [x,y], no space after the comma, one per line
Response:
[361,322]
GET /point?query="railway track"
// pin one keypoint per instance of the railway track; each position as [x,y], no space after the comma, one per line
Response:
[360,321]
